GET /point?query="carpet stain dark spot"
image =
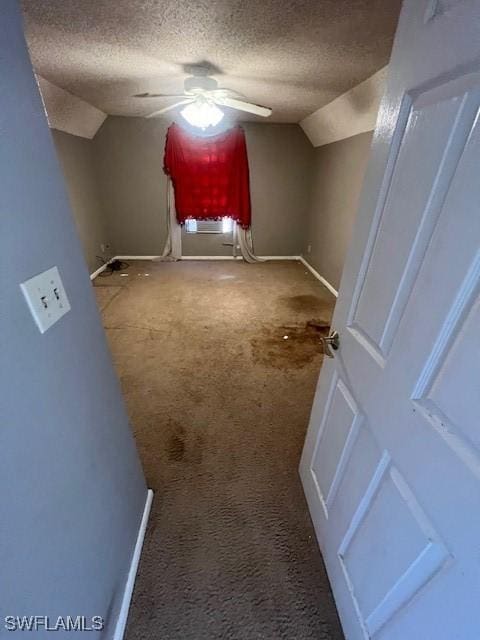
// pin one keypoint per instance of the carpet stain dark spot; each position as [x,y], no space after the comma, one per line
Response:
[308,303]
[289,346]
[183,446]
[175,448]
[195,454]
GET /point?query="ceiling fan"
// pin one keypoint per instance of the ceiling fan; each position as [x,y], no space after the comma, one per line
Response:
[202,98]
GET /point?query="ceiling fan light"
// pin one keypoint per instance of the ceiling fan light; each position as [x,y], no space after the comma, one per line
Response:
[202,114]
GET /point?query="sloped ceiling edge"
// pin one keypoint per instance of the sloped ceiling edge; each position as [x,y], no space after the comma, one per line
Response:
[69,113]
[351,113]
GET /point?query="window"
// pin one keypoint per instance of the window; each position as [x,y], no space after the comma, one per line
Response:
[225,225]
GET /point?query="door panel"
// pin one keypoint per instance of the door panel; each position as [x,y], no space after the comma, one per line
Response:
[431,144]
[391,463]
[342,421]
[446,398]
[388,507]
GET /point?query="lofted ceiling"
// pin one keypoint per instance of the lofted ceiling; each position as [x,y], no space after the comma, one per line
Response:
[292,55]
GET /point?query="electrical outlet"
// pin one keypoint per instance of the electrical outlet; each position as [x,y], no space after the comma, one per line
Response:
[46,298]
[309,248]
[102,248]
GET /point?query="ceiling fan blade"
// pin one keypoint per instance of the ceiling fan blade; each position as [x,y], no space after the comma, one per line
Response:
[169,108]
[240,105]
[221,93]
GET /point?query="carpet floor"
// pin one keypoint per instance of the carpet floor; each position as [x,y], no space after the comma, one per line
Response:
[218,364]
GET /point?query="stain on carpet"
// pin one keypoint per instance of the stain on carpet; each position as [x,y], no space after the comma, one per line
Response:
[183,447]
[289,346]
[176,448]
[305,303]
[219,405]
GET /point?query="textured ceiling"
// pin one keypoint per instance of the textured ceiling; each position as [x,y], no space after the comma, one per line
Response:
[292,55]
[68,113]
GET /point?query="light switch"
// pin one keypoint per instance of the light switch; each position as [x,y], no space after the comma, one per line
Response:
[46,298]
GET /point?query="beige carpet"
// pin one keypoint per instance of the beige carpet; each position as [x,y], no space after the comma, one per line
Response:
[219,401]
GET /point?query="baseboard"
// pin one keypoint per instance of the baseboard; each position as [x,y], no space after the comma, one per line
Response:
[211,258]
[196,258]
[314,272]
[104,266]
[238,257]
[98,271]
[136,257]
[132,572]
[296,258]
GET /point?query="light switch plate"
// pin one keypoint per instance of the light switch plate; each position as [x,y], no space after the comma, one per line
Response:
[46,298]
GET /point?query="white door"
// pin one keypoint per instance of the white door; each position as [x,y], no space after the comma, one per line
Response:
[391,464]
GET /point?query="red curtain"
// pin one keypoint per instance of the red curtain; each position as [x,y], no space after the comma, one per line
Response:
[209,175]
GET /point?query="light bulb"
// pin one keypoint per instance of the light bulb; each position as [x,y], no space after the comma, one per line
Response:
[202,114]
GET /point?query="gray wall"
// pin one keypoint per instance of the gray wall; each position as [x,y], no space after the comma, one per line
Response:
[129,156]
[77,161]
[280,158]
[129,162]
[338,172]
[71,487]
[301,195]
